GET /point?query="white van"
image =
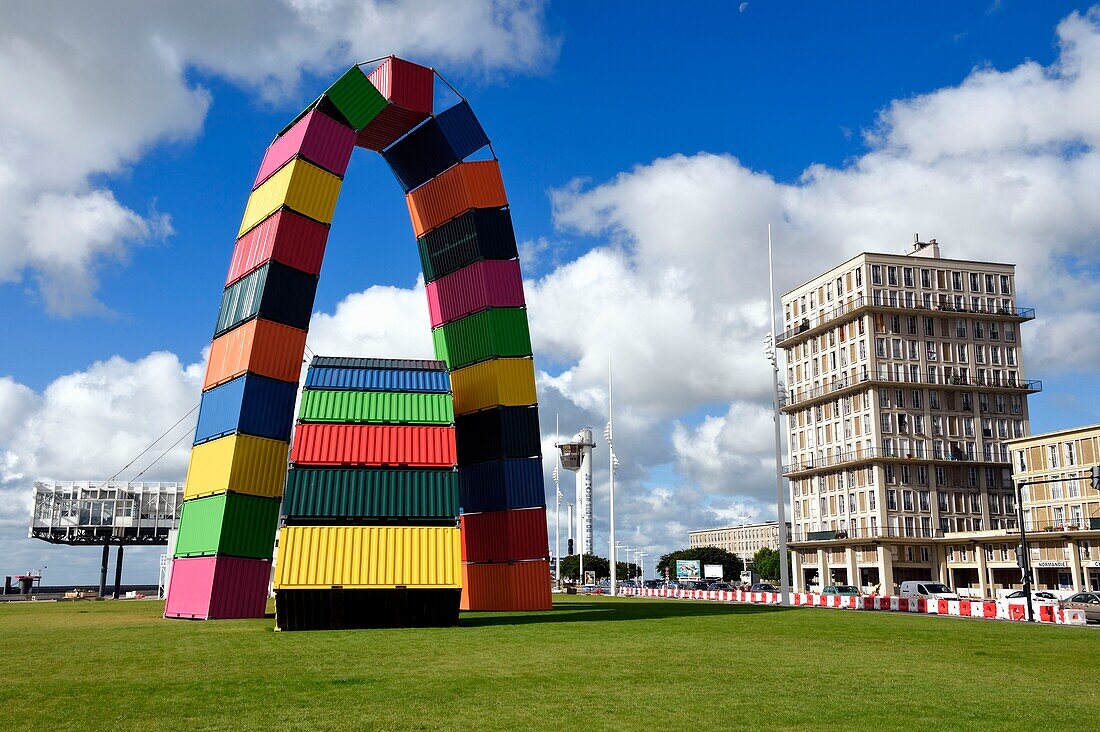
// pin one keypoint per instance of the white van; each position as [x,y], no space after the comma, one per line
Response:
[928,590]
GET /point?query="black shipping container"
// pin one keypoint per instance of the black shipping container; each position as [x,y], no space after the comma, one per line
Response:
[274,292]
[501,485]
[482,233]
[498,434]
[350,609]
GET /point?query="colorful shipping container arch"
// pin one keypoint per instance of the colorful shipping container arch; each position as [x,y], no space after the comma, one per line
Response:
[235,482]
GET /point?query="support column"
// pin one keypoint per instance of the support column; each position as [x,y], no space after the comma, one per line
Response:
[118,569]
[983,571]
[103,570]
[941,565]
[850,562]
[796,566]
[886,570]
[822,569]
[1075,563]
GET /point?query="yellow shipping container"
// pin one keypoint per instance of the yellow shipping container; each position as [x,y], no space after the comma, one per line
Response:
[237,463]
[508,382]
[307,189]
[374,557]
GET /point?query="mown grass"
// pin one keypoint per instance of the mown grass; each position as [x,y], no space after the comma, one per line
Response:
[590,663]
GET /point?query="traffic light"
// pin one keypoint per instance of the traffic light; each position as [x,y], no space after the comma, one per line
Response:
[1096,477]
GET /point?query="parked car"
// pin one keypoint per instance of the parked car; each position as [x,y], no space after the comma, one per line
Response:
[722,586]
[1041,595]
[627,584]
[841,591]
[697,585]
[672,585]
[928,590]
[653,584]
[1087,601]
[763,587]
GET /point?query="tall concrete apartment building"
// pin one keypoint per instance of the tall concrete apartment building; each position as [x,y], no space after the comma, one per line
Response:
[744,541]
[904,382]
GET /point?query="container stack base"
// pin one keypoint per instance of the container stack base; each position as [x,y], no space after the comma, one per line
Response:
[354,609]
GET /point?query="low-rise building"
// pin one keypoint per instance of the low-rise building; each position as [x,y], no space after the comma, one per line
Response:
[744,540]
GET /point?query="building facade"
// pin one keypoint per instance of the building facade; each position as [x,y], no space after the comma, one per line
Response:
[744,541]
[1061,513]
[904,383]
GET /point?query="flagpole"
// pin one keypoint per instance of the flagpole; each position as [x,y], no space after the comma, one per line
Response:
[780,499]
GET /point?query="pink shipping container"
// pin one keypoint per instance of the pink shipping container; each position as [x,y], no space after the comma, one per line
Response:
[208,588]
[284,236]
[504,536]
[373,444]
[409,88]
[489,283]
[316,137]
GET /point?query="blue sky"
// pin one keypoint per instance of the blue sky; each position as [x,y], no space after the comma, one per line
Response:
[600,106]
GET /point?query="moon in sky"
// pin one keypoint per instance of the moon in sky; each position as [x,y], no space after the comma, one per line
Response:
[741,8]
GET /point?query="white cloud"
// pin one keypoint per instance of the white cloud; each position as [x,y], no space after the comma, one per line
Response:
[93,86]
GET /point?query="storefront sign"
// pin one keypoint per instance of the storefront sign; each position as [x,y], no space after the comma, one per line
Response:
[1050,563]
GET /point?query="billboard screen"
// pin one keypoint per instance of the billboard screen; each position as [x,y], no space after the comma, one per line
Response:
[687,569]
[713,571]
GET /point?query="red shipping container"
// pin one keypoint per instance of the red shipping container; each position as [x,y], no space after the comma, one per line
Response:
[506,587]
[489,283]
[505,536]
[284,236]
[468,185]
[205,588]
[409,88]
[373,444]
[317,138]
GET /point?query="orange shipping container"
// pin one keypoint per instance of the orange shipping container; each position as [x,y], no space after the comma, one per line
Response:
[258,347]
[452,193]
[506,587]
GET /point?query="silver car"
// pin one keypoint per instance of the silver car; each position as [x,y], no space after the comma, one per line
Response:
[1087,601]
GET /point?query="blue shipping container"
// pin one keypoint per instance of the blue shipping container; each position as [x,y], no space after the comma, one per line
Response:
[435,382]
[501,485]
[435,146]
[250,405]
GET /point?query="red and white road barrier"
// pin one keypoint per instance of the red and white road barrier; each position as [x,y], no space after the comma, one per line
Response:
[1045,612]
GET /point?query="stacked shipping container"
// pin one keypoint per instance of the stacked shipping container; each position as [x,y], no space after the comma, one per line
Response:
[460,216]
[369,534]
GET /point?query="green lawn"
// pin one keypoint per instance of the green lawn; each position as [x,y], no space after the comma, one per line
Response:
[591,663]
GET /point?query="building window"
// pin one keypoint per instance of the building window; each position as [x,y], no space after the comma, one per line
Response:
[892,500]
[907,500]
[1006,289]
[876,274]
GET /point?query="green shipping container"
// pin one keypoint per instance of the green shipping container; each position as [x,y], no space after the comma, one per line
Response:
[378,407]
[356,98]
[492,333]
[340,494]
[228,524]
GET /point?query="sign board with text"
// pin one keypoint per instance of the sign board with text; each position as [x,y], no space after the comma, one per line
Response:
[713,571]
[688,569]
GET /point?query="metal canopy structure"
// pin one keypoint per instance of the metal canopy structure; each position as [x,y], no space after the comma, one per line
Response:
[87,513]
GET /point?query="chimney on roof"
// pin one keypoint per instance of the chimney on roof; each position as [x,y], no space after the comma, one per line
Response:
[930,248]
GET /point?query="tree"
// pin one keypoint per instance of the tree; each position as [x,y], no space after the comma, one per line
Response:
[570,566]
[766,563]
[626,570]
[731,563]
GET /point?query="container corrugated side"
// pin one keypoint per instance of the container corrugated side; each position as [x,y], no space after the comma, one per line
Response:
[508,382]
[284,236]
[396,364]
[209,588]
[237,463]
[498,434]
[381,407]
[336,494]
[358,100]
[467,185]
[298,185]
[250,405]
[462,129]
[504,536]
[436,145]
[228,524]
[482,233]
[315,137]
[489,283]
[409,89]
[493,333]
[368,557]
[373,444]
[258,347]
[501,484]
[435,382]
[273,291]
[506,587]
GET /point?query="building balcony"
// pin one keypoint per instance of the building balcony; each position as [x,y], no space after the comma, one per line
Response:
[792,399]
[863,535]
[810,327]
[863,456]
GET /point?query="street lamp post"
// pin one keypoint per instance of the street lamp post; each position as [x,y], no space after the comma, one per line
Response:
[780,499]
[609,435]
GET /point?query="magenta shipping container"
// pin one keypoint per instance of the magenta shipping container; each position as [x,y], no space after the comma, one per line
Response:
[284,236]
[316,137]
[489,283]
[208,588]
